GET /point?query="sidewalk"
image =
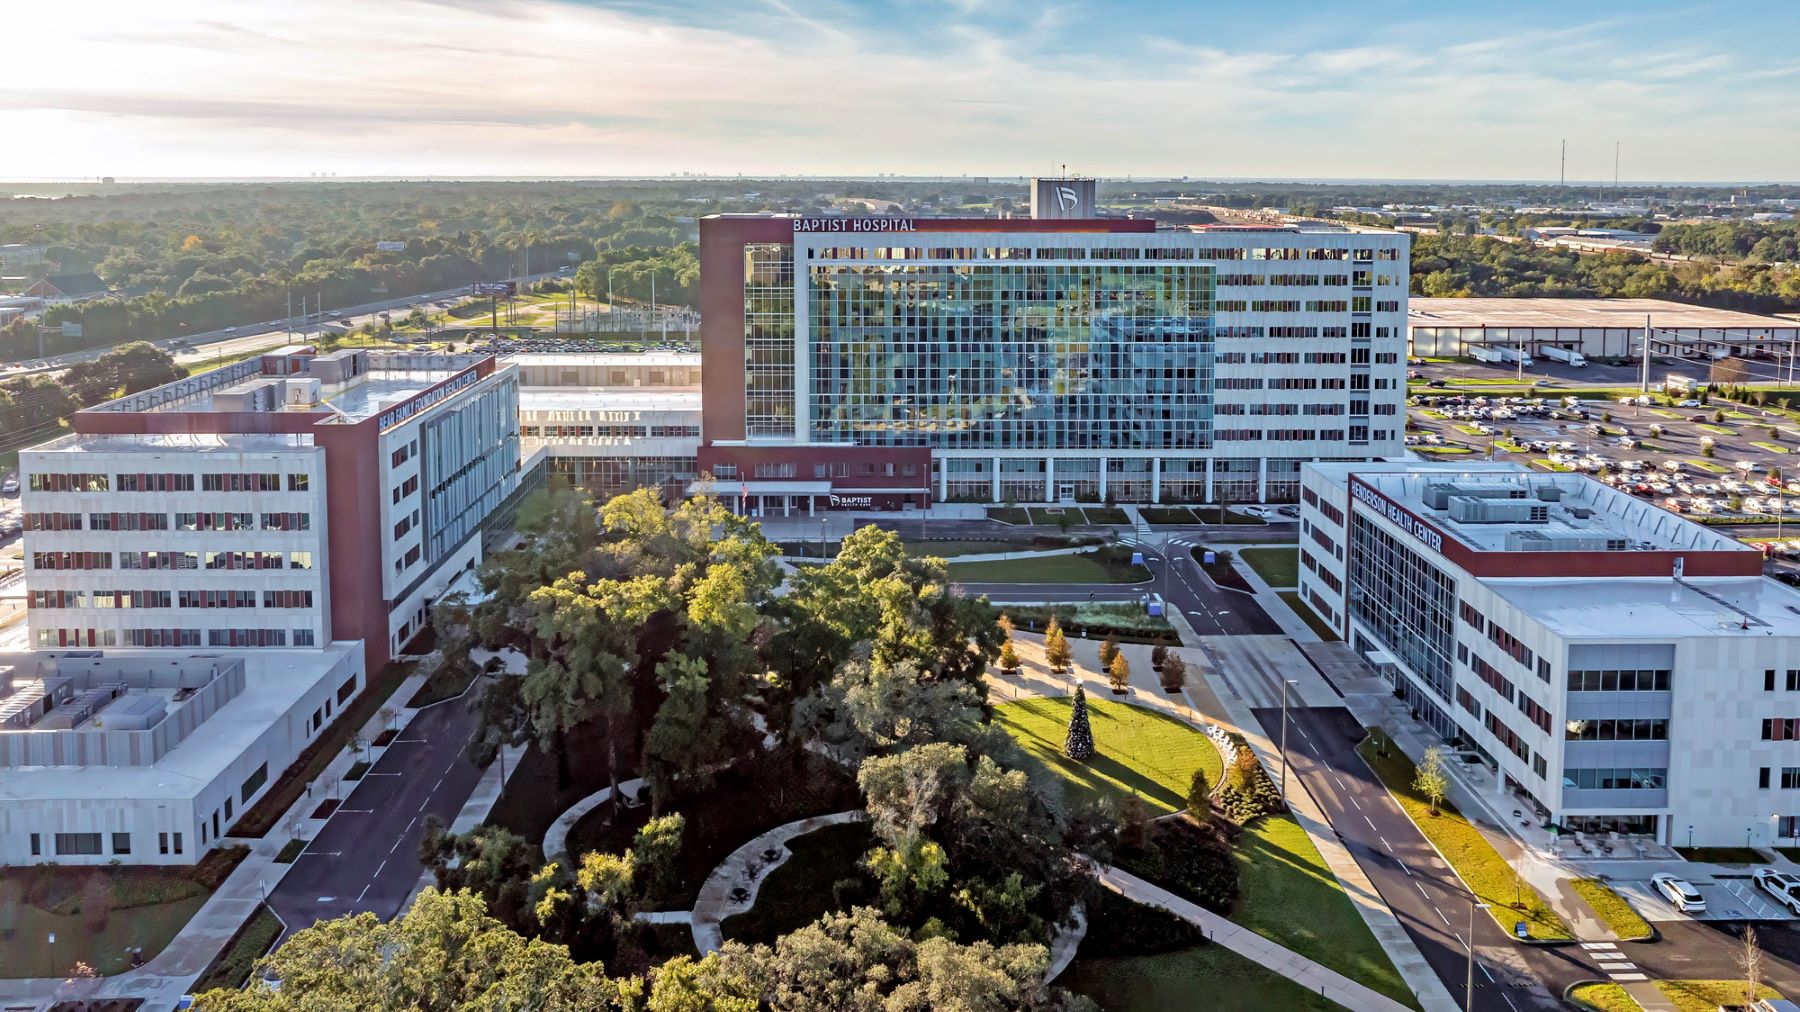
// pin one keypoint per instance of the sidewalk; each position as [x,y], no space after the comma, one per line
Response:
[1291,624]
[1398,945]
[165,978]
[1202,698]
[1297,968]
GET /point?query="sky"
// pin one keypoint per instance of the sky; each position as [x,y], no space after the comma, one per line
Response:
[1206,89]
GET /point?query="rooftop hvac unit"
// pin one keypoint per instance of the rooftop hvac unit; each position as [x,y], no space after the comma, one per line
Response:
[303,390]
[1467,509]
[1436,496]
[1580,512]
[1549,493]
[1562,541]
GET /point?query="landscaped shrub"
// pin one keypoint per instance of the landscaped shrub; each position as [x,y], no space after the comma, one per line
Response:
[1189,859]
[1248,791]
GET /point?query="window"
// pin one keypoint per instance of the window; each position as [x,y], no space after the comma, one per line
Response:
[304,638]
[1781,729]
[1625,680]
[77,844]
[346,690]
[299,482]
[37,845]
[177,842]
[1790,777]
[121,843]
[1762,778]
[254,783]
[162,843]
[1616,779]
[1768,683]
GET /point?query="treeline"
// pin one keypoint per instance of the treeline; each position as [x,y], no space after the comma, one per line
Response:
[1777,242]
[627,271]
[31,406]
[1454,265]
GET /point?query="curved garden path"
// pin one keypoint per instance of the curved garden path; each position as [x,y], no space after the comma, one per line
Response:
[556,838]
[715,902]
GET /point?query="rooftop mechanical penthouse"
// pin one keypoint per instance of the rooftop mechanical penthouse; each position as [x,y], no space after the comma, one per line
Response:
[893,362]
[285,501]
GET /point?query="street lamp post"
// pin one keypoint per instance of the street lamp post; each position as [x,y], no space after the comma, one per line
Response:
[1690,836]
[1469,979]
[1284,726]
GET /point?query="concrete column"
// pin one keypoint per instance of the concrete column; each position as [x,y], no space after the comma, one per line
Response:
[1262,479]
[812,505]
[1209,480]
[1156,479]
[943,491]
[1049,479]
[996,479]
[1103,463]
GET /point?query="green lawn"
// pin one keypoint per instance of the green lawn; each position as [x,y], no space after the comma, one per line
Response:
[1082,568]
[1136,750]
[1771,447]
[1167,515]
[1444,448]
[800,891]
[29,953]
[1687,995]
[951,549]
[1620,918]
[1287,895]
[1053,516]
[1467,850]
[1279,567]
[1307,615]
[1718,429]
[1708,466]
[1010,515]
[1176,981]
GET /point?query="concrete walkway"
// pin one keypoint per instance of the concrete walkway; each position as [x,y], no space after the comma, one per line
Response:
[1295,967]
[1271,602]
[745,868]
[166,977]
[556,838]
[1207,694]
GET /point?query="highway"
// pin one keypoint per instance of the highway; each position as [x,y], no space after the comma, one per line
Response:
[228,342]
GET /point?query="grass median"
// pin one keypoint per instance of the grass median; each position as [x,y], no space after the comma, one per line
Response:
[1686,995]
[1279,567]
[1088,567]
[1136,750]
[1482,869]
[1620,918]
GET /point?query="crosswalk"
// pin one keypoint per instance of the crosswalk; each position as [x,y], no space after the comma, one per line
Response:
[1612,962]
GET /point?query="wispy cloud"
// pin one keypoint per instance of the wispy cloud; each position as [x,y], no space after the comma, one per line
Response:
[856,86]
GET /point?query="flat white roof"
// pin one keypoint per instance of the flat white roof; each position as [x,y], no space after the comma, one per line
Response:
[1586,508]
[1656,608]
[193,442]
[1581,313]
[274,681]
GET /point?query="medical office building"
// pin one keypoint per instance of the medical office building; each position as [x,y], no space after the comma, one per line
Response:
[888,363]
[1621,668]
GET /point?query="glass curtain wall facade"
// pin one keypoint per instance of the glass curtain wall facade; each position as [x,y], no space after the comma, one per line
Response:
[1004,356]
[1413,616]
[769,340]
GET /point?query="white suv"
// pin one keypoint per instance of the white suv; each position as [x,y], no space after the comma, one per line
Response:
[1781,885]
[1683,896]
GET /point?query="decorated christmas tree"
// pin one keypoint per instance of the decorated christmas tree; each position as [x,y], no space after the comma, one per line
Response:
[1079,746]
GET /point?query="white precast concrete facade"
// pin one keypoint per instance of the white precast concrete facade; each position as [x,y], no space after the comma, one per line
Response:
[1621,668]
[149,757]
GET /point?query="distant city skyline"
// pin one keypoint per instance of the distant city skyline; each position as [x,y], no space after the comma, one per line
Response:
[447,88]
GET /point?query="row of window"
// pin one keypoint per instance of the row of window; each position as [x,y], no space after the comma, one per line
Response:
[174,637]
[1790,778]
[1355,434]
[171,560]
[56,481]
[1617,779]
[1621,680]
[1617,729]
[1791,682]
[160,521]
[1360,255]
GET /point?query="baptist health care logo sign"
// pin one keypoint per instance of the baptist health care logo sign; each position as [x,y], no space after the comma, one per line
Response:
[1398,515]
[1067,199]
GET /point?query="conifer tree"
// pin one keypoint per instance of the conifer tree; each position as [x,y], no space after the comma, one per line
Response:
[1079,746]
[1056,647]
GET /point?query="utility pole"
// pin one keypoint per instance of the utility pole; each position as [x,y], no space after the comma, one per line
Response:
[1644,381]
[1562,170]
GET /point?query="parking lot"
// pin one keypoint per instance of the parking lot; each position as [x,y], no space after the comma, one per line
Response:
[1713,460]
[1728,898]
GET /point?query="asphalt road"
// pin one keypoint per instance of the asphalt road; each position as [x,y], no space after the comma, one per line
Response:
[1423,892]
[993,530]
[1212,610]
[216,344]
[366,856]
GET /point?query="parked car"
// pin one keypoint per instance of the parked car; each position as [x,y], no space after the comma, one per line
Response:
[9,487]
[1679,893]
[1261,512]
[1781,885]
[1289,510]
